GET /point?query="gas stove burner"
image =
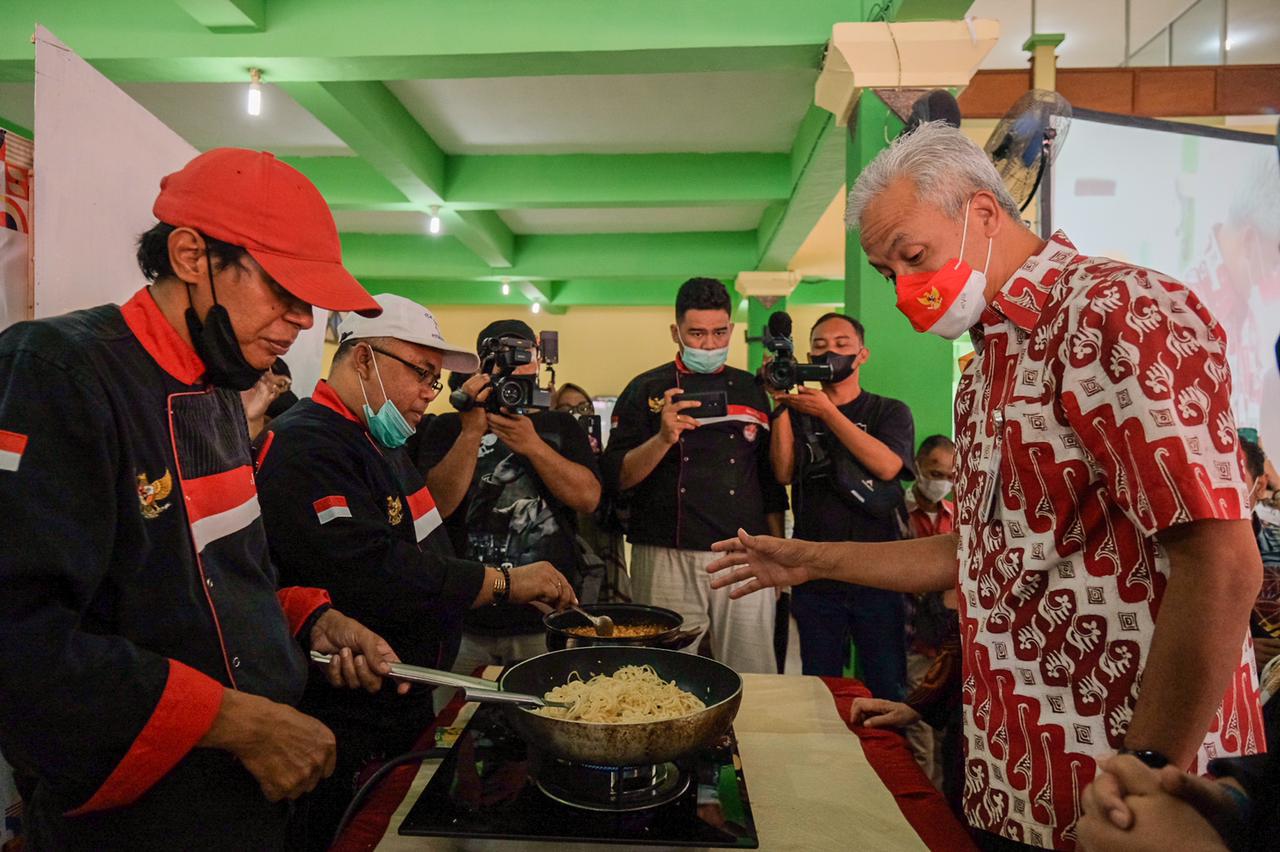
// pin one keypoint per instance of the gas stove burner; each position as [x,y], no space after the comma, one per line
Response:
[611,789]
[492,786]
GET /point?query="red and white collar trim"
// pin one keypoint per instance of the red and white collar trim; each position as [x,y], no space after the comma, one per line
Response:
[325,395]
[160,339]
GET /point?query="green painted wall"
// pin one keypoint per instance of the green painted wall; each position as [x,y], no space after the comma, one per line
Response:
[915,368]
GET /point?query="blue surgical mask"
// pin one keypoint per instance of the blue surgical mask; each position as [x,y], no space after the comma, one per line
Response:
[702,360]
[388,426]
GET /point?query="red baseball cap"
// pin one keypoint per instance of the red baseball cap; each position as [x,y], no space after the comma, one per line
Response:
[251,199]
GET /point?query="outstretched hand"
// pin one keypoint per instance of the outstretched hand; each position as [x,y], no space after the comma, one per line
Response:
[760,562]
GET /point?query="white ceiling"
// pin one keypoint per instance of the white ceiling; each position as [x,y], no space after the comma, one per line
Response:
[625,113]
[577,220]
[210,115]
[632,220]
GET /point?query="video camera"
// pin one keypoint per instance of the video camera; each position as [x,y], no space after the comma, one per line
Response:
[784,372]
[499,358]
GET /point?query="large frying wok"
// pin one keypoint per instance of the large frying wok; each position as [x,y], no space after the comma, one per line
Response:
[636,744]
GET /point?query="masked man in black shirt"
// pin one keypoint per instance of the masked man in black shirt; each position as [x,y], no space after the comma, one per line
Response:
[345,508]
[843,450]
[511,487]
[694,476]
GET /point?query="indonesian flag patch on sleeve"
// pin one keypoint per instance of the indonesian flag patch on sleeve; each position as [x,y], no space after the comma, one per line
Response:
[328,508]
[12,446]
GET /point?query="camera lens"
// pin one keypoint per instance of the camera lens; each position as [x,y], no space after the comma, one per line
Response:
[510,393]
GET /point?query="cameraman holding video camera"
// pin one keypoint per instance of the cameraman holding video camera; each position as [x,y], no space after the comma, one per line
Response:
[511,476]
[689,445]
[843,450]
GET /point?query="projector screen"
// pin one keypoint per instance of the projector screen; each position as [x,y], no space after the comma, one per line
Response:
[1200,204]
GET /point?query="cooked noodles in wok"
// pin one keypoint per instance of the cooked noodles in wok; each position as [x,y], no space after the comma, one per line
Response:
[631,694]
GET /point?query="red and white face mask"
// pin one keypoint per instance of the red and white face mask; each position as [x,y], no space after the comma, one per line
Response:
[948,301]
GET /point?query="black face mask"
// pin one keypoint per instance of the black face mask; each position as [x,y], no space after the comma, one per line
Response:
[841,365]
[215,342]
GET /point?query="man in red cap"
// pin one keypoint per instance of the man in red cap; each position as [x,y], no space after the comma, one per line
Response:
[147,663]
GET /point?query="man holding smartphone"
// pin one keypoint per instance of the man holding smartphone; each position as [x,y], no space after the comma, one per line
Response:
[697,469]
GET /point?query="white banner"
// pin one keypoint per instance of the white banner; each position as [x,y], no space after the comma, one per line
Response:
[100,160]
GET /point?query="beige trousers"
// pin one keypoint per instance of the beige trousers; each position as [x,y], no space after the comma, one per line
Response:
[741,631]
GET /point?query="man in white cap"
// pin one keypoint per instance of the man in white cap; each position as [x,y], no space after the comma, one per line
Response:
[343,502]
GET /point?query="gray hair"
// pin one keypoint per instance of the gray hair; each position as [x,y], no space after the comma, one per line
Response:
[946,167]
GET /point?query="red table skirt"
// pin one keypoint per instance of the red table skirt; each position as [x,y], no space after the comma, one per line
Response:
[920,802]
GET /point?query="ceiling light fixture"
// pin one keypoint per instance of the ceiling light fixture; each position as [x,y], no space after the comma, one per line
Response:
[506,286]
[254,104]
[433,226]
[536,307]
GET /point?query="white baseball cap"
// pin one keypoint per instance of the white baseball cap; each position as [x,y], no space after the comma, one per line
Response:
[404,319]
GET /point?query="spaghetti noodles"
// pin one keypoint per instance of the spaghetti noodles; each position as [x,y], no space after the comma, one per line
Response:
[631,694]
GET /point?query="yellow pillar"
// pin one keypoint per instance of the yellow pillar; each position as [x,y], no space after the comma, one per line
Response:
[1044,59]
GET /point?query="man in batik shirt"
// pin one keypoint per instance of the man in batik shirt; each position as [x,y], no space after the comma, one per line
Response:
[1106,565]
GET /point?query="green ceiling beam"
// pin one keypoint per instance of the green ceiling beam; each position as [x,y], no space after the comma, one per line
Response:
[228,16]
[554,256]
[615,180]
[6,124]
[307,40]
[539,291]
[580,292]
[817,164]
[235,69]
[563,180]
[374,124]
[818,292]
[930,10]
[818,153]
[350,183]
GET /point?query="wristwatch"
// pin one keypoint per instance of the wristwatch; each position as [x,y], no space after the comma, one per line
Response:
[1152,758]
[501,583]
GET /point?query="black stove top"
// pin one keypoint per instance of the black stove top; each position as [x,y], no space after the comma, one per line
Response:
[491,785]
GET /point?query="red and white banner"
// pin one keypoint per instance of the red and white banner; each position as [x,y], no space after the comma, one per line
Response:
[426,517]
[333,506]
[12,446]
[220,504]
[740,414]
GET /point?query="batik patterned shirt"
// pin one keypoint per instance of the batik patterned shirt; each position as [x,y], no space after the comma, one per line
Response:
[1095,415]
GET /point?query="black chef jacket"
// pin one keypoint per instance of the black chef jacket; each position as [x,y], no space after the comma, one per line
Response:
[134,587]
[716,479]
[358,520]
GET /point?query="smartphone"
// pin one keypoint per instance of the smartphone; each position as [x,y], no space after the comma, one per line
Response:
[591,424]
[714,404]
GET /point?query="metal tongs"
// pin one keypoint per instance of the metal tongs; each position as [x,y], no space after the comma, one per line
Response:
[474,688]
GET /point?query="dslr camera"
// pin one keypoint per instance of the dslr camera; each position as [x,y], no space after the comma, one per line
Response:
[500,357]
[784,372]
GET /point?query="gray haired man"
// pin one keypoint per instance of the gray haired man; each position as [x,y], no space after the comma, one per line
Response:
[1102,508]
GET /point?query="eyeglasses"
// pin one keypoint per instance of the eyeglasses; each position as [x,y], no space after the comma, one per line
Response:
[426,376]
[580,408]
